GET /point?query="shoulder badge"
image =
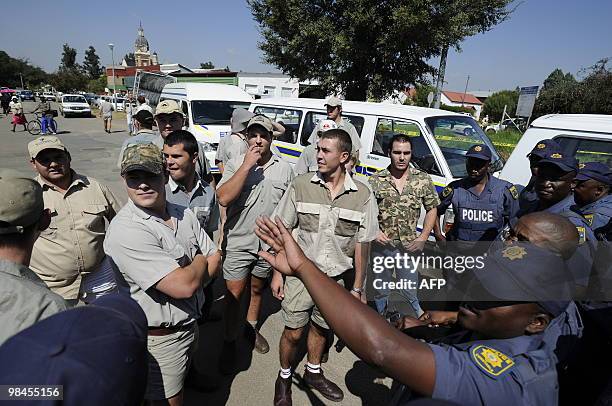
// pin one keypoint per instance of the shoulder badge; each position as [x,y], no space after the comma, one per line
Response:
[491,361]
[514,252]
[581,235]
[589,219]
[514,192]
[447,191]
[541,146]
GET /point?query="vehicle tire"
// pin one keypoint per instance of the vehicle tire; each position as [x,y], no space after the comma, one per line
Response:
[490,131]
[55,125]
[34,127]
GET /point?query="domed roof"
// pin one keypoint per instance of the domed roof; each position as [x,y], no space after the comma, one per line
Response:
[141,41]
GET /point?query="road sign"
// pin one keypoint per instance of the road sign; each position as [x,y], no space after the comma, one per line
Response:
[430,98]
[527,97]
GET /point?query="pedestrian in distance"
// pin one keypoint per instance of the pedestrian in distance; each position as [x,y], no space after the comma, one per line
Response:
[25,297]
[17,112]
[47,123]
[106,114]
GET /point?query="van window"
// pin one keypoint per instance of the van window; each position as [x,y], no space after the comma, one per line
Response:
[587,150]
[313,117]
[290,119]
[422,156]
[215,112]
[455,135]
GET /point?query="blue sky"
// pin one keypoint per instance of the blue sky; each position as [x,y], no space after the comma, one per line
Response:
[540,36]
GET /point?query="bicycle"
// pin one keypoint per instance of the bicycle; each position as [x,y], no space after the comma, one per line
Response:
[35,126]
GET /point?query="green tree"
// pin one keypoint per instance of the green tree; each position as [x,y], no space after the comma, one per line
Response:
[422,91]
[561,93]
[207,65]
[91,63]
[69,58]
[130,59]
[363,48]
[10,68]
[595,92]
[494,105]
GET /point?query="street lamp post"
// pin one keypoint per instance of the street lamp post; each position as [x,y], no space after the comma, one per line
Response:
[112,46]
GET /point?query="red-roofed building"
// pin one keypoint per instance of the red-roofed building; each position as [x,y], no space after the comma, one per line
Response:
[462,99]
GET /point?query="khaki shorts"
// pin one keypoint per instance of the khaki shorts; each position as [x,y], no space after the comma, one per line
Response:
[169,360]
[298,307]
[239,264]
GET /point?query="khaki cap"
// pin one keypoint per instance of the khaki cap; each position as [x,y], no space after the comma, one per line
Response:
[21,202]
[333,101]
[144,157]
[262,121]
[45,142]
[168,107]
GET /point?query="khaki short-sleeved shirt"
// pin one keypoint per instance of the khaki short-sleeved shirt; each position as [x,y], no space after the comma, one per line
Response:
[72,244]
[25,299]
[344,125]
[327,229]
[201,200]
[231,147]
[398,213]
[263,189]
[143,250]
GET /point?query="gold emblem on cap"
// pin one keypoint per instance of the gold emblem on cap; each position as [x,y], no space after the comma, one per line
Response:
[477,148]
[541,146]
[581,166]
[514,252]
[556,156]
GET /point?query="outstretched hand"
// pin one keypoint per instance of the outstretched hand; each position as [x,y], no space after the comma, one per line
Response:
[288,257]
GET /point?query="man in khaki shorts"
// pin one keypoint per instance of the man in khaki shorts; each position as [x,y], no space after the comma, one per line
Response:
[332,217]
[251,186]
[68,255]
[164,258]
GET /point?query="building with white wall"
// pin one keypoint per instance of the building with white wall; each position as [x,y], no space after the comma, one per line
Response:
[268,84]
[462,99]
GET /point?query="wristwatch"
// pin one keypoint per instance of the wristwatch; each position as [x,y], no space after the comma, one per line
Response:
[357,290]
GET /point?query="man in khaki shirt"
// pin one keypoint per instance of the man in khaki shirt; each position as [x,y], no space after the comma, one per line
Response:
[70,249]
[252,185]
[333,216]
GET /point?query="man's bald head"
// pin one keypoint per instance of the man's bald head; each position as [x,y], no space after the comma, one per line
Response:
[549,231]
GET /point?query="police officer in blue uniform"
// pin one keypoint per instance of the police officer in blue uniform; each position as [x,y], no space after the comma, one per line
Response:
[592,194]
[481,203]
[508,354]
[527,195]
[553,184]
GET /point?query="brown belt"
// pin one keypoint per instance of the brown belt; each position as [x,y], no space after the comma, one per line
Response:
[164,331]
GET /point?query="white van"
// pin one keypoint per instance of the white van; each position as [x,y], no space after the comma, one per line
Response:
[440,138]
[587,136]
[208,108]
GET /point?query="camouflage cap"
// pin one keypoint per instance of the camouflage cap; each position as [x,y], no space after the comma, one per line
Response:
[144,157]
[262,121]
[44,142]
[168,107]
[21,202]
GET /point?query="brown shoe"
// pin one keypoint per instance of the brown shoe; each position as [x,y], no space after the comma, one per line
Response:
[282,392]
[327,388]
[261,344]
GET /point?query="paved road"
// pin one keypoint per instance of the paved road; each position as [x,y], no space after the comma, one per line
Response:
[94,153]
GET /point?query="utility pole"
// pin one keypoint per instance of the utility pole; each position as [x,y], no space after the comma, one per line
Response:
[465,91]
[440,79]
[21,77]
[112,46]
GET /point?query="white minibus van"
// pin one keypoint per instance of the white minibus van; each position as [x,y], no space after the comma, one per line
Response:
[208,108]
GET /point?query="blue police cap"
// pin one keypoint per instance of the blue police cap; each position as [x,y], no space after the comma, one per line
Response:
[544,148]
[561,160]
[524,272]
[479,151]
[595,170]
[97,352]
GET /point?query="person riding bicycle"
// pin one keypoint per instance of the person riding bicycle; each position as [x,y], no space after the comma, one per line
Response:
[47,116]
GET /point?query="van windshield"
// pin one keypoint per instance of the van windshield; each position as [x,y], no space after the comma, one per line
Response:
[74,99]
[455,135]
[218,112]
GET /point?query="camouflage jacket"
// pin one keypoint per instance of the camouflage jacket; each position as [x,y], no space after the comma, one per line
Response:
[398,214]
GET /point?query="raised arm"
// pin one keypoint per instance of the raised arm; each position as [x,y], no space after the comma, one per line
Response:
[233,180]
